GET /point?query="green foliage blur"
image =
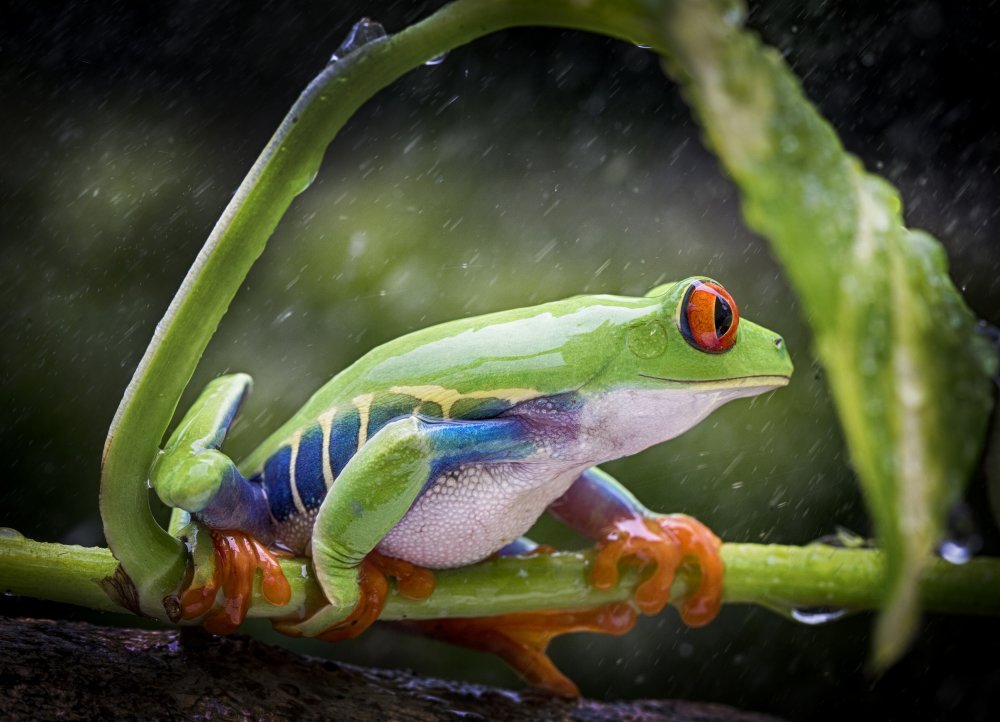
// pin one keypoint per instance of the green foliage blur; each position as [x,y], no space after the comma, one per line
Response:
[526,168]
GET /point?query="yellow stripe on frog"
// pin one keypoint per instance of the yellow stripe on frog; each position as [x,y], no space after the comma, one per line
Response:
[446,398]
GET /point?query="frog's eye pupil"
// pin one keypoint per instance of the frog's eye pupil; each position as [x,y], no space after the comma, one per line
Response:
[709,317]
[723,317]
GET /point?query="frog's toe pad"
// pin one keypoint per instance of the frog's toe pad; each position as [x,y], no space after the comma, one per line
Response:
[521,639]
[666,542]
[373,587]
[412,582]
[238,556]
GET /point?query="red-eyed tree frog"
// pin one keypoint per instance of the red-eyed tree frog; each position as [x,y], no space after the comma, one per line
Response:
[443,447]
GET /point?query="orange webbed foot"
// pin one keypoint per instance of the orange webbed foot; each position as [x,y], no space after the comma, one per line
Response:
[521,639]
[238,556]
[411,581]
[666,542]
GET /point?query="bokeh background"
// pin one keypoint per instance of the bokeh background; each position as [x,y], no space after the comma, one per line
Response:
[532,165]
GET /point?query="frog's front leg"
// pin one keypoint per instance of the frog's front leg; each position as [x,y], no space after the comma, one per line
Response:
[599,507]
[373,492]
[193,475]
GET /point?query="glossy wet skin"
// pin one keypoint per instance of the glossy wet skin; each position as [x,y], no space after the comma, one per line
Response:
[444,446]
[592,379]
[589,343]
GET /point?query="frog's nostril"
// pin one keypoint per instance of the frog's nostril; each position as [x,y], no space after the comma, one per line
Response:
[779,343]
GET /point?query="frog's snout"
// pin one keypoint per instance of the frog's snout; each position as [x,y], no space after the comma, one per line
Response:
[783,357]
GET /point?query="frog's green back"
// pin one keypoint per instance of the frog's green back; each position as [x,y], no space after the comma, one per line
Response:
[475,367]
[478,367]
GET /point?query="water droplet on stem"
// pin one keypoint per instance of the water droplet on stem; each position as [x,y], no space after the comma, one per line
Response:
[963,539]
[365,31]
[817,615]
[955,552]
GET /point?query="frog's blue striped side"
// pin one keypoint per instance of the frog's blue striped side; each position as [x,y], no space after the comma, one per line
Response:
[298,475]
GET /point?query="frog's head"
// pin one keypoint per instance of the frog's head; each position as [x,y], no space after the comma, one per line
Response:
[688,353]
[693,335]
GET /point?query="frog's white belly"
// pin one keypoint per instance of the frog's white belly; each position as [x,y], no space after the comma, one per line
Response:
[467,514]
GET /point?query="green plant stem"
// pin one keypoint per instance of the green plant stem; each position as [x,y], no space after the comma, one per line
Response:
[153,559]
[779,577]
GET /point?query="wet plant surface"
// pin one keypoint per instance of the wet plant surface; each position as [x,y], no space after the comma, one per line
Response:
[529,166]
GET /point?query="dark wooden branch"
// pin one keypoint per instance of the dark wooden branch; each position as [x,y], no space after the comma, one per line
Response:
[74,670]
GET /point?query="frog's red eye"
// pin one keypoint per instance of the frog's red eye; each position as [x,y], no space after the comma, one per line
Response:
[709,317]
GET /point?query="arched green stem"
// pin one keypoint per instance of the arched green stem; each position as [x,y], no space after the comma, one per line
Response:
[884,313]
[152,559]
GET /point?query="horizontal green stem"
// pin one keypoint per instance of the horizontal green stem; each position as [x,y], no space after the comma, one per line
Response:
[779,577]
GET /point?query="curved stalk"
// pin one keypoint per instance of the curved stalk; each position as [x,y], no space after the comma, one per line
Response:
[761,127]
[153,560]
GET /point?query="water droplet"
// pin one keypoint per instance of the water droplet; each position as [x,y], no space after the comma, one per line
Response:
[954,552]
[285,549]
[307,179]
[365,31]
[844,538]
[817,615]
[962,540]
[283,316]
[7,533]
[642,46]
[437,60]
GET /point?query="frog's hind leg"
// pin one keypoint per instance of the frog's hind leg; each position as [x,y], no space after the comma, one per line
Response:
[520,639]
[192,475]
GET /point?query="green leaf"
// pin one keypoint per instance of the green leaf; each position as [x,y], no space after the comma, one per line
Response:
[909,374]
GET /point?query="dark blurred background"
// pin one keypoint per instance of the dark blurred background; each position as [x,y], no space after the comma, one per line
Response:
[531,165]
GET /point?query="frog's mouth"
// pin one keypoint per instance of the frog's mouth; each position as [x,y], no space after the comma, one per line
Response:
[759,381]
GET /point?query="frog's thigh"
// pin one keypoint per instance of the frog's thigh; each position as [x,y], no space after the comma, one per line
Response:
[193,475]
[383,479]
[190,472]
[594,502]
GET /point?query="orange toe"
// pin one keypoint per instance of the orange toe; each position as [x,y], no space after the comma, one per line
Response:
[663,542]
[238,556]
[411,581]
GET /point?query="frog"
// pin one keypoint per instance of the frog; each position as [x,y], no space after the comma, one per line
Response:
[442,448]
